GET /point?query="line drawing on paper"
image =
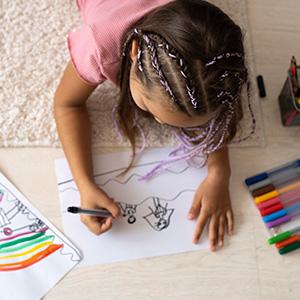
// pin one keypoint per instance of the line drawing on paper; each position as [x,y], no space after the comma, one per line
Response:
[158,214]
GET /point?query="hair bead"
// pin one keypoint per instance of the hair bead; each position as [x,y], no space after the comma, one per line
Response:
[221,56]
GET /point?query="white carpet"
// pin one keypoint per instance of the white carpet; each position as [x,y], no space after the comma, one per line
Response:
[33,55]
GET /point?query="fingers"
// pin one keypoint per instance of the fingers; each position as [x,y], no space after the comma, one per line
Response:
[194,211]
[216,228]
[221,231]
[112,207]
[201,221]
[213,232]
[108,203]
[96,225]
[196,206]
[229,218]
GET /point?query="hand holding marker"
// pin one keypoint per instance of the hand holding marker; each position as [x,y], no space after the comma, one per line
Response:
[92,212]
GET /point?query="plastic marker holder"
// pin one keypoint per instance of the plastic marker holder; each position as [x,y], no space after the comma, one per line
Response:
[276,194]
[268,174]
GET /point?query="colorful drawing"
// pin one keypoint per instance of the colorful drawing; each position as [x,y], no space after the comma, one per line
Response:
[27,239]
[24,238]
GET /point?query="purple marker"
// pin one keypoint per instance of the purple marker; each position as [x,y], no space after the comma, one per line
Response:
[283,219]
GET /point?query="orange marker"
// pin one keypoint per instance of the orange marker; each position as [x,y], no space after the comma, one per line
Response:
[289,187]
[288,241]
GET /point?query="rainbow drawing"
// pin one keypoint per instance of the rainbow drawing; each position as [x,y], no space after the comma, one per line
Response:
[25,239]
[34,255]
[25,249]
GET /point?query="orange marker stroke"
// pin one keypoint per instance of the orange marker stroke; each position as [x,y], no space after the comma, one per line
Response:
[28,262]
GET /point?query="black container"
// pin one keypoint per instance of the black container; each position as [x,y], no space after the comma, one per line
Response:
[289,107]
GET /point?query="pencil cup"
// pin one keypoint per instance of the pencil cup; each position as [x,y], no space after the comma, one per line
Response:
[289,106]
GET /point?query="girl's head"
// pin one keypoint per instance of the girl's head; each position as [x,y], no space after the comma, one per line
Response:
[184,65]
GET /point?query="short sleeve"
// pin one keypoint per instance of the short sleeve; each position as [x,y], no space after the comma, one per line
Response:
[85,55]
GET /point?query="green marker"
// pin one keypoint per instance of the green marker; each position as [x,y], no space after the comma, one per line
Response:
[289,248]
[283,235]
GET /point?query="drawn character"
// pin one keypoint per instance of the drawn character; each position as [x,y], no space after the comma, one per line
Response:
[3,218]
[128,210]
[159,218]
[37,225]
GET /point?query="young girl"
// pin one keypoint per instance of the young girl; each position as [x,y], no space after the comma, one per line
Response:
[182,63]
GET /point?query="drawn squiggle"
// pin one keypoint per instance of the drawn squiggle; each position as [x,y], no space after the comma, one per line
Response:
[134,166]
[69,188]
[139,176]
[122,182]
[69,253]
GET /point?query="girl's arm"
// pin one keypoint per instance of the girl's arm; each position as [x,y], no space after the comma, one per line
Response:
[218,162]
[73,124]
[74,130]
[212,200]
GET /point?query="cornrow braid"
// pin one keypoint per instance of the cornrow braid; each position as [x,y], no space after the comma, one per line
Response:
[173,54]
[154,61]
[184,70]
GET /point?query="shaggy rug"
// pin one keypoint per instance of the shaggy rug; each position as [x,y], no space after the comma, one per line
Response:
[33,55]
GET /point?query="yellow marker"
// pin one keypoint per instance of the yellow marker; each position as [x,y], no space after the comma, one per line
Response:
[266,196]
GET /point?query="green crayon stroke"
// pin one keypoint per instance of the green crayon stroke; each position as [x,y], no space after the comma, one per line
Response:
[36,241]
[21,240]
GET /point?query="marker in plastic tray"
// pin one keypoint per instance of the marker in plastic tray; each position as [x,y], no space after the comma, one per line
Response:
[265,175]
[283,235]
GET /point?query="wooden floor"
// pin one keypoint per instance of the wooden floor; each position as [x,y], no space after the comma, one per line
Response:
[246,268]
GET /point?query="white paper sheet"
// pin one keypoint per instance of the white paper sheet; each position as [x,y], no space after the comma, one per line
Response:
[154,218]
[34,255]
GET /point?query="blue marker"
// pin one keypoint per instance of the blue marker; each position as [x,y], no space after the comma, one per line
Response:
[273,172]
[280,213]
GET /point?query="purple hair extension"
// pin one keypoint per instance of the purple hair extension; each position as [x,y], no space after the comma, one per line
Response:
[135,123]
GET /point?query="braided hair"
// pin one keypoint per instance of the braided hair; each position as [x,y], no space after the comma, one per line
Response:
[175,43]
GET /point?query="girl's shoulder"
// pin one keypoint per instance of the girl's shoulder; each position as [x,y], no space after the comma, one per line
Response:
[110,20]
[105,22]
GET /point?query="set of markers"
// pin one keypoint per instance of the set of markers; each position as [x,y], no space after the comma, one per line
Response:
[276,194]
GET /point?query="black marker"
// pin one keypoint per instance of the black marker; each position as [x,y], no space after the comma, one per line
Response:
[261,86]
[93,212]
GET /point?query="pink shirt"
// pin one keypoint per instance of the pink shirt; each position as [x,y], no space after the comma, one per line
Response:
[95,47]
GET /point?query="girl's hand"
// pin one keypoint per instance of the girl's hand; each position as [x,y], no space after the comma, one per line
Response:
[92,197]
[212,202]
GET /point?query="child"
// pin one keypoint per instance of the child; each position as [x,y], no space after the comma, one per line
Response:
[182,62]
